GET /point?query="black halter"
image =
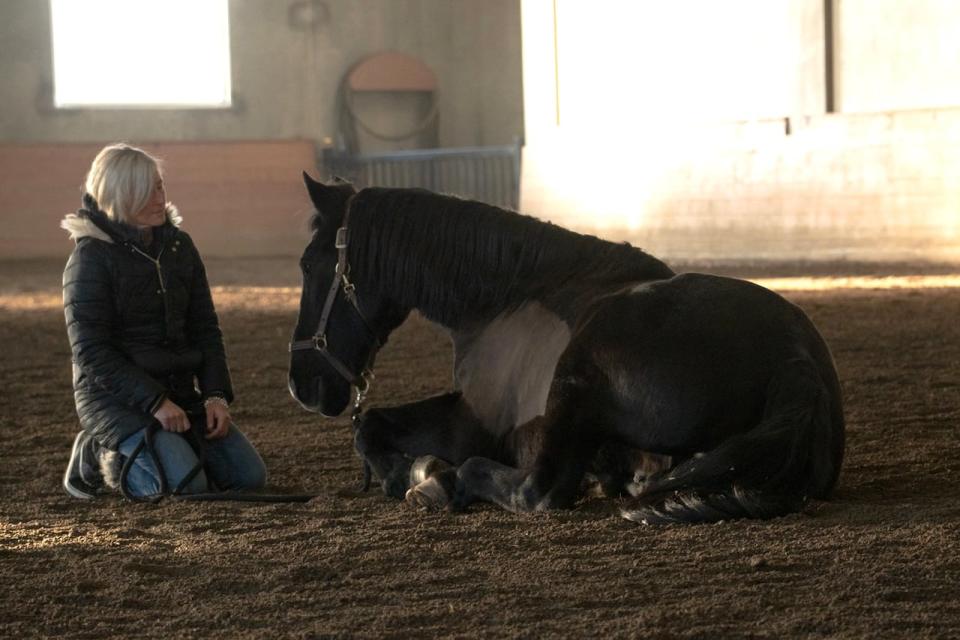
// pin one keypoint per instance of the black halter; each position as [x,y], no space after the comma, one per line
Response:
[318,341]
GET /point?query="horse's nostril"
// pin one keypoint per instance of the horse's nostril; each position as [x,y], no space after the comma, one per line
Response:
[306,393]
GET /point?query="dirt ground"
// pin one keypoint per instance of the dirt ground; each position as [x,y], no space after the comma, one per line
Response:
[880,560]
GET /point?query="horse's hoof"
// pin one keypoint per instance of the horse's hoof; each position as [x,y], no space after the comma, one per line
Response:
[428,495]
[426,466]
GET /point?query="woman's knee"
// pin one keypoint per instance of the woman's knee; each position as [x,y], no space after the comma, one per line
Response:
[179,463]
[235,464]
[251,476]
[197,484]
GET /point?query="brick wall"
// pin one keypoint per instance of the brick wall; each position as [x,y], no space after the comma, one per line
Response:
[236,198]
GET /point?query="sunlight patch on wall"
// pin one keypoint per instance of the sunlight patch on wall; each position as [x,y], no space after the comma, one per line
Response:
[628,66]
[618,94]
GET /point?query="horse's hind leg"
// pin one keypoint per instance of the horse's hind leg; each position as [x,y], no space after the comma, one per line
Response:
[618,470]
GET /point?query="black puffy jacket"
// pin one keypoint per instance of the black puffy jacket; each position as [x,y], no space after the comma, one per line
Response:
[138,320]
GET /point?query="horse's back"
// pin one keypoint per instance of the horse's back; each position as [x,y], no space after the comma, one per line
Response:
[688,360]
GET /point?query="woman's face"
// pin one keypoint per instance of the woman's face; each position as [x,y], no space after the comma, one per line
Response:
[154,213]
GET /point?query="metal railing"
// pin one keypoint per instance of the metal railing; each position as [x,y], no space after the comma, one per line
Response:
[487,174]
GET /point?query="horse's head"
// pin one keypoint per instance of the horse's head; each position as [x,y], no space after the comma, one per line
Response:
[340,327]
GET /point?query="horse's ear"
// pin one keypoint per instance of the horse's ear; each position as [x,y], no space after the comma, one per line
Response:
[315,189]
[328,199]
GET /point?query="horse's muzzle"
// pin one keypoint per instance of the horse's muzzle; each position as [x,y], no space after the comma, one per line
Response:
[316,398]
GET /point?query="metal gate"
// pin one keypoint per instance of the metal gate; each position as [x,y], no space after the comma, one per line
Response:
[487,174]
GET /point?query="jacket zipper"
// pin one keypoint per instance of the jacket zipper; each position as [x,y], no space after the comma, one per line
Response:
[156,263]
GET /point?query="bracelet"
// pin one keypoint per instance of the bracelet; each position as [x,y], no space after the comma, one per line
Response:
[216,400]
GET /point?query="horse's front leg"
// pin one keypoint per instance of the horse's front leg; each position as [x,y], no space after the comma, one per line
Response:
[514,489]
[433,482]
[550,457]
[442,429]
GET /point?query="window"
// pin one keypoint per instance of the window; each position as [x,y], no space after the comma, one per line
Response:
[141,53]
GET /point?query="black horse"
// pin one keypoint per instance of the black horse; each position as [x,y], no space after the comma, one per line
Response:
[570,353]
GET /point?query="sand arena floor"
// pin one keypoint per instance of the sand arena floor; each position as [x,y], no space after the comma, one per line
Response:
[880,560]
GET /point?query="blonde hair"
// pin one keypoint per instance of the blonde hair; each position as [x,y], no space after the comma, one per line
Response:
[121,179]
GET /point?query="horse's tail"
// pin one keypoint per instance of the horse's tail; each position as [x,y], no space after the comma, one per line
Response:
[793,453]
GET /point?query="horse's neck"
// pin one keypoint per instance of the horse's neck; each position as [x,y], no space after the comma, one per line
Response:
[567,274]
[504,368]
[462,263]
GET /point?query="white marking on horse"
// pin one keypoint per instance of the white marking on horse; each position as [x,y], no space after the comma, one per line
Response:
[505,368]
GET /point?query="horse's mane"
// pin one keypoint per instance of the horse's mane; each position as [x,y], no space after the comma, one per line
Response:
[457,259]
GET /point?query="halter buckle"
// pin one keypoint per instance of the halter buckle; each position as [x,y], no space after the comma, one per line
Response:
[363,384]
[320,342]
[342,237]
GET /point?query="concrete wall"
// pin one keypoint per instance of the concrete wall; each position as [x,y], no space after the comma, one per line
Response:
[288,57]
[715,139]
[895,55]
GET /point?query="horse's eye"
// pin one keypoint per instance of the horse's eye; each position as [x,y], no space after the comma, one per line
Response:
[305,267]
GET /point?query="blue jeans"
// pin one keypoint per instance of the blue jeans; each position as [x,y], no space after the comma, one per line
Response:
[231,462]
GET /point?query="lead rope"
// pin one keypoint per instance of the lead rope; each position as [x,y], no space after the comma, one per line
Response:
[147,444]
[355,417]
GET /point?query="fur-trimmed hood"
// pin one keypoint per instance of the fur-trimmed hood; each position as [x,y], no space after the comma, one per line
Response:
[91,221]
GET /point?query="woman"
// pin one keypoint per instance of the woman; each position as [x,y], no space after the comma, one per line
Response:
[148,356]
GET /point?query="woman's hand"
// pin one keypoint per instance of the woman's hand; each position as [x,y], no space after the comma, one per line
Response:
[218,419]
[172,417]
